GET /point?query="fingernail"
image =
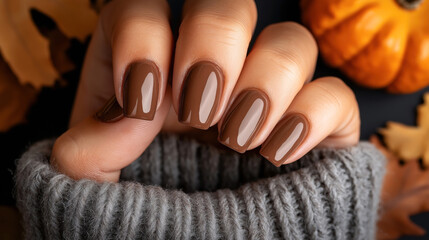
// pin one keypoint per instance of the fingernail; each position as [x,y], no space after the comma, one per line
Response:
[111,111]
[243,120]
[140,91]
[286,137]
[200,95]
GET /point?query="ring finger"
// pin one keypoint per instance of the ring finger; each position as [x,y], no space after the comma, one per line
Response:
[282,60]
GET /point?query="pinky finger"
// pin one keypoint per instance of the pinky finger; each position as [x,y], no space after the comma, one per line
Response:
[324,113]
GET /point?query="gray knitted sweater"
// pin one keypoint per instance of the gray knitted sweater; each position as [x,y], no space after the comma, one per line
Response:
[181,189]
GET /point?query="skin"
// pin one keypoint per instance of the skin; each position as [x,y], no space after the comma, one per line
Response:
[281,64]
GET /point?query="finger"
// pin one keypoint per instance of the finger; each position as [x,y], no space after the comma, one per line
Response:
[129,56]
[98,150]
[282,60]
[210,52]
[324,113]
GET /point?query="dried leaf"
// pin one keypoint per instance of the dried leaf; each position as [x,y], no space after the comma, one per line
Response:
[25,49]
[98,4]
[410,143]
[59,44]
[15,99]
[405,193]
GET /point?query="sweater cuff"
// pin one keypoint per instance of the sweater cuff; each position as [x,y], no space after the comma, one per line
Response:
[182,189]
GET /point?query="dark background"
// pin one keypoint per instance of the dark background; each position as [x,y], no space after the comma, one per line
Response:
[48,117]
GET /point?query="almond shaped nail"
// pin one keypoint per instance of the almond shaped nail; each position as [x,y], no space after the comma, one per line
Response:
[111,111]
[200,95]
[140,90]
[286,137]
[244,119]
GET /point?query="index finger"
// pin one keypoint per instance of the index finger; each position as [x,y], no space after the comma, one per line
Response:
[131,47]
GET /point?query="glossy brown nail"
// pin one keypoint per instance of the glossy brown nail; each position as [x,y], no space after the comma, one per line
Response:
[243,119]
[200,95]
[140,90]
[111,111]
[286,137]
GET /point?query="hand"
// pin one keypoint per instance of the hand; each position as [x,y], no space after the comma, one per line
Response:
[265,98]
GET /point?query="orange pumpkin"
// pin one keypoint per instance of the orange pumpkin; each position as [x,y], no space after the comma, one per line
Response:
[378,43]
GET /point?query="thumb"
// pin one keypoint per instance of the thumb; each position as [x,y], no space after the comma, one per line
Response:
[98,150]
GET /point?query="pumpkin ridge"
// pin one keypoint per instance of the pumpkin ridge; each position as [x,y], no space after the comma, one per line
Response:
[388,25]
[335,29]
[401,65]
[354,14]
[346,61]
[385,25]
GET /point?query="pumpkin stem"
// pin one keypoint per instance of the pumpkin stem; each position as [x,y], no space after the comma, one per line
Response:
[409,4]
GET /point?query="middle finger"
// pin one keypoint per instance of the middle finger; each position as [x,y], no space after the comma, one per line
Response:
[210,52]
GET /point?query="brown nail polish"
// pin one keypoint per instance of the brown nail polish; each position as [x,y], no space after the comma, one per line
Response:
[140,91]
[243,119]
[200,95]
[111,111]
[286,137]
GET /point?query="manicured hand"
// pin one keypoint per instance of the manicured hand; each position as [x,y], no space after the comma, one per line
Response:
[264,98]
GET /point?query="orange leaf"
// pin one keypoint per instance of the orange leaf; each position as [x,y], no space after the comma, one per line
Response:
[408,142]
[25,49]
[405,193]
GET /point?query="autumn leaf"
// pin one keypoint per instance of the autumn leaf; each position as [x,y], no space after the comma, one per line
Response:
[58,45]
[410,143]
[98,4]
[25,49]
[15,98]
[405,193]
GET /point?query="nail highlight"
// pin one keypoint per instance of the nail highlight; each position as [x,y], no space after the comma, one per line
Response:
[286,137]
[140,90]
[200,95]
[111,111]
[243,120]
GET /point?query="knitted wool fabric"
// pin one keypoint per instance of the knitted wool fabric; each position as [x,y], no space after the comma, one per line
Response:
[181,189]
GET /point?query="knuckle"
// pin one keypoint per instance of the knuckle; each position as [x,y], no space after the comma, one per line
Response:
[329,96]
[119,17]
[129,25]
[142,21]
[335,92]
[231,30]
[244,10]
[282,27]
[288,28]
[285,61]
[343,88]
[217,20]
[284,46]
[230,18]
[282,35]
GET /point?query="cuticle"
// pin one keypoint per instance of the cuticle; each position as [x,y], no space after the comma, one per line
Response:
[302,116]
[266,97]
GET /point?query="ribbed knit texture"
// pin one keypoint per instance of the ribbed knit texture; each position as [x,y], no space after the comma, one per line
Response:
[181,189]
